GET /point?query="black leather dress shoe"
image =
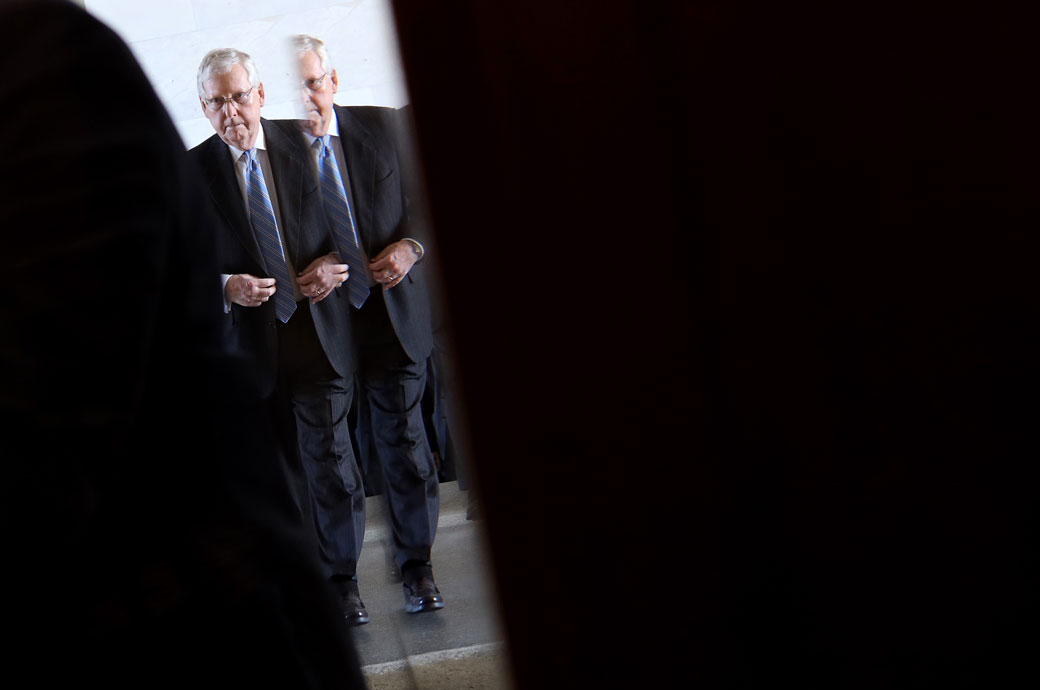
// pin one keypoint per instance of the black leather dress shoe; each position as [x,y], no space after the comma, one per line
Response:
[420,591]
[353,608]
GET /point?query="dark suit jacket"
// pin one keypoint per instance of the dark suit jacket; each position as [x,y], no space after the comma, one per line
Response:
[148,534]
[382,187]
[305,229]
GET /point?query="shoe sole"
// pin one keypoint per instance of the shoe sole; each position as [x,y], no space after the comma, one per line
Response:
[356,620]
[424,606]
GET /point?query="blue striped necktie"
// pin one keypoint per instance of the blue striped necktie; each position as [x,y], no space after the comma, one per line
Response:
[337,208]
[261,214]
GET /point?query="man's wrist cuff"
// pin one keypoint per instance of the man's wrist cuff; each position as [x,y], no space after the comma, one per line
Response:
[418,248]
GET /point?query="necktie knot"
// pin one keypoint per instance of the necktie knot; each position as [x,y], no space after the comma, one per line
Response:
[249,159]
[321,145]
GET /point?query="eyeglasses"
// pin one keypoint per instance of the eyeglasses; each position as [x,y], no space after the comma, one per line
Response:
[314,84]
[217,102]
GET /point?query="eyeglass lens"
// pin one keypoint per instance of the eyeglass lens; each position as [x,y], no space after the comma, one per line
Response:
[217,102]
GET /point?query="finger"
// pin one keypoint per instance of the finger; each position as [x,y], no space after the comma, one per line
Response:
[264,282]
[320,294]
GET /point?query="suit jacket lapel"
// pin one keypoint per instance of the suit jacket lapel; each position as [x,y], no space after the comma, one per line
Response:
[361,168]
[288,172]
[223,185]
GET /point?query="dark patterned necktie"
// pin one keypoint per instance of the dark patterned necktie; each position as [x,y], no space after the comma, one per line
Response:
[337,208]
[261,215]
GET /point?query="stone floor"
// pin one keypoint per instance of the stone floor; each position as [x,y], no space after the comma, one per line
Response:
[459,647]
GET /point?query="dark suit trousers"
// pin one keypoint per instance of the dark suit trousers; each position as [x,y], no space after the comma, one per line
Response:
[393,385]
[319,399]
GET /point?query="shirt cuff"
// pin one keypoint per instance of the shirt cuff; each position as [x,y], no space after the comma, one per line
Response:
[224,277]
[417,247]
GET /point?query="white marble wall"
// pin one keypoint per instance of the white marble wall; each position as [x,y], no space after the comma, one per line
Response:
[169,38]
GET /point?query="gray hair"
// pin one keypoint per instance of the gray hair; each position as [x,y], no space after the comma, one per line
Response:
[220,61]
[304,43]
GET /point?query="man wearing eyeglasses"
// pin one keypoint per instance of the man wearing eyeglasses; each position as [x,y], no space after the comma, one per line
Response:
[280,271]
[363,175]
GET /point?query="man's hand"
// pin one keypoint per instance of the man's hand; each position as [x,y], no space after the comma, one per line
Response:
[393,263]
[322,276]
[247,290]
